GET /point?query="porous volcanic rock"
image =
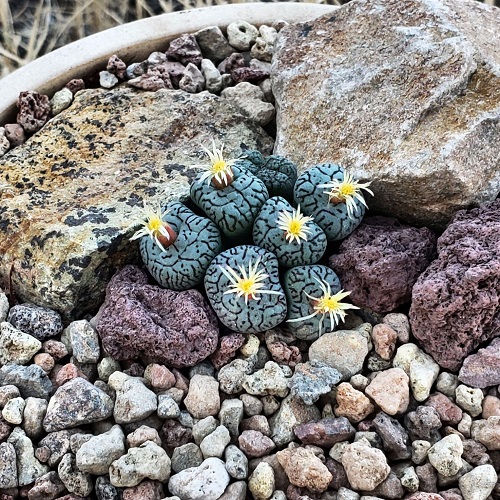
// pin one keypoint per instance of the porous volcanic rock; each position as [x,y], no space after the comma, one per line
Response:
[75,187]
[423,63]
[381,261]
[482,369]
[456,301]
[177,329]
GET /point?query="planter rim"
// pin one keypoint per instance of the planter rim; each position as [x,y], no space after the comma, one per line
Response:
[135,41]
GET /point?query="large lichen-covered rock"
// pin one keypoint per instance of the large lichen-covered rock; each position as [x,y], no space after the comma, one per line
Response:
[177,329]
[381,261]
[76,185]
[456,301]
[401,93]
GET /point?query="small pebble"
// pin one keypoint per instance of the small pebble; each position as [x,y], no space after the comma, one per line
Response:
[192,80]
[13,411]
[186,456]
[167,407]
[107,80]
[215,443]
[61,100]
[390,390]
[478,483]
[261,482]
[255,444]
[242,35]
[469,399]
[16,136]
[236,462]
[445,455]
[203,398]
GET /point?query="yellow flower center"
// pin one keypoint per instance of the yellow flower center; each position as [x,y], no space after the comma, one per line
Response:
[326,304]
[155,224]
[247,286]
[295,227]
[219,166]
[347,190]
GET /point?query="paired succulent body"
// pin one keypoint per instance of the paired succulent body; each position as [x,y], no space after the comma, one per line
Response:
[243,283]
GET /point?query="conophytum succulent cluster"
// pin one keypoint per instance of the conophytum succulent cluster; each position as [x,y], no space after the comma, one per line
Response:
[257,248]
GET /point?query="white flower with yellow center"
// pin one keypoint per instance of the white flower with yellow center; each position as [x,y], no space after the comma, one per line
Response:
[247,284]
[327,303]
[219,169]
[346,191]
[154,227]
[294,225]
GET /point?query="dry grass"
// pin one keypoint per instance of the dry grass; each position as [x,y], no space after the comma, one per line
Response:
[31,28]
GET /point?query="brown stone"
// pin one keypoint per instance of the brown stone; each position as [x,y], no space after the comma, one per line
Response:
[384,340]
[77,185]
[326,432]
[448,411]
[352,403]
[371,60]
[390,390]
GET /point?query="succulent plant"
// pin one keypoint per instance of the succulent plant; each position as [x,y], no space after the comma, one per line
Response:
[243,288]
[277,172]
[294,239]
[179,261]
[232,197]
[314,301]
[331,195]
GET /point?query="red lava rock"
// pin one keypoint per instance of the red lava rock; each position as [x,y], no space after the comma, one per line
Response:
[147,490]
[277,342]
[247,74]
[384,339]
[174,434]
[63,374]
[448,411]
[228,346]
[15,134]
[453,494]
[75,85]
[34,111]
[256,423]
[116,66]
[255,444]
[154,79]
[455,302]
[325,432]
[482,369]
[230,63]
[423,423]
[186,50]
[177,329]
[174,69]
[381,260]
[55,348]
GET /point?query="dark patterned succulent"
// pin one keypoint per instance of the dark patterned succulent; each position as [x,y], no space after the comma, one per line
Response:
[232,197]
[339,209]
[294,238]
[181,262]
[243,287]
[277,172]
[314,299]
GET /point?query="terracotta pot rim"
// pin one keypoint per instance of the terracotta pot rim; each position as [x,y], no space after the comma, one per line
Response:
[135,41]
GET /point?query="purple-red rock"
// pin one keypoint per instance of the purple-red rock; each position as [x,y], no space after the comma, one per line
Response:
[230,63]
[423,423]
[456,301]
[381,261]
[173,434]
[186,50]
[277,342]
[173,328]
[255,444]
[75,85]
[116,66]
[482,369]
[146,490]
[228,346]
[154,79]
[174,69]
[427,476]
[448,411]
[34,111]
[339,474]
[15,134]
[247,74]
[325,432]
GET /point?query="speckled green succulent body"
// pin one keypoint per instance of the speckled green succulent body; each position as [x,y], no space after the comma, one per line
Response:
[277,172]
[297,282]
[256,315]
[234,207]
[313,200]
[268,235]
[183,264]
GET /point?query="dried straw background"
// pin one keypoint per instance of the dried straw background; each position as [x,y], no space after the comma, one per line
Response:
[31,28]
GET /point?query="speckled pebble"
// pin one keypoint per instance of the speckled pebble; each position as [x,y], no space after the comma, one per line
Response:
[84,341]
[270,381]
[186,456]
[236,462]
[61,100]
[141,435]
[445,455]
[352,403]
[261,482]
[13,411]
[255,444]
[478,483]
[213,43]
[107,80]
[215,443]
[34,412]
[390,390]
[384,340]
[469,399]
[167,407]
[487,432]
[203,398]
[192,80]
[312,379]
[16,346]
[211,76]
